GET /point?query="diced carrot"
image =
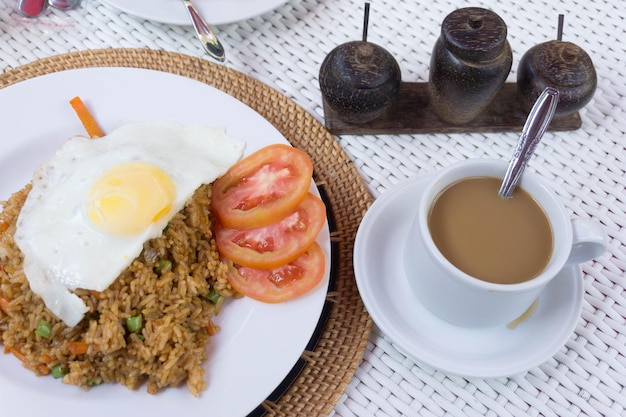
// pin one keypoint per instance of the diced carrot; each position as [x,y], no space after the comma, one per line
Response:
[4,226]
[212,329]
[43,369]
[4,304]
[77,348]
[86,118]
[46,358]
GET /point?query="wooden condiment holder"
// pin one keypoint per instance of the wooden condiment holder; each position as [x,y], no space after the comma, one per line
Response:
[412,113]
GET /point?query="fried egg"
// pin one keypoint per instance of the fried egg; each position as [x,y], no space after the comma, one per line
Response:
[94,204]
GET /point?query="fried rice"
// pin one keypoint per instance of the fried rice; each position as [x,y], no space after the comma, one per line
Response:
[175,286]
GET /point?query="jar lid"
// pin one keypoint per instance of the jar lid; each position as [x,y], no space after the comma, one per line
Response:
[474,33]
[563,63]
[362,64]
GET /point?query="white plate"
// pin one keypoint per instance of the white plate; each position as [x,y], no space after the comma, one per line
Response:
[258,343]
[481,353]
[215,12]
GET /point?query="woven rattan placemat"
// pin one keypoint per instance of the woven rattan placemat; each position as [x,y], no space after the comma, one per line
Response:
[330,365]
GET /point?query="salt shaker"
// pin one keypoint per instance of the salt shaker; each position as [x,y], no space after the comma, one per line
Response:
[470,62]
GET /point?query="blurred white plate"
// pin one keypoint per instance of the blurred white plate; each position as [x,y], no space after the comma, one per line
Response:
[215,12]
[258,344]
[475,353]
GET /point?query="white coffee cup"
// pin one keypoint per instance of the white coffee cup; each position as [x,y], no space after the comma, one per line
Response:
[461,299]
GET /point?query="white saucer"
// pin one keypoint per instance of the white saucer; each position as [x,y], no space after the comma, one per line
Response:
[475,353]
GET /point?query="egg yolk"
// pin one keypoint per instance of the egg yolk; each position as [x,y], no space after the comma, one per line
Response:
[129,197]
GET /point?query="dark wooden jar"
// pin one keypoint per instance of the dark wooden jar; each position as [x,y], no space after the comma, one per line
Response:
[562,65]
[470,62]
[359,80]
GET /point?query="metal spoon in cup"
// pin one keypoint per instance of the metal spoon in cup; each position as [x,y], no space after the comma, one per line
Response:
[209,40]
[536,124]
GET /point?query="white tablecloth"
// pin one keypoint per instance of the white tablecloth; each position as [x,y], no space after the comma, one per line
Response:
[284,49]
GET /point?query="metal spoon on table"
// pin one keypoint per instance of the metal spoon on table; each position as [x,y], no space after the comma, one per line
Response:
[209,41]
[536,124]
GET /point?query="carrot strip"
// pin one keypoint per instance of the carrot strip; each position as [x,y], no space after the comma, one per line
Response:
[86,118]
[41,368]
[77,348]
[16,353]
[95,294]
[4,304]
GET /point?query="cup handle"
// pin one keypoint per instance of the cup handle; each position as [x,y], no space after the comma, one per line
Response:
[589,240]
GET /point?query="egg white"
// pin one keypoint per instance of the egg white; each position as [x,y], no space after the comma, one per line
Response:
[62,249]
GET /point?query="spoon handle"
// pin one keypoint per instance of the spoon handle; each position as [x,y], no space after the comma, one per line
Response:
[209,40]
[536,124]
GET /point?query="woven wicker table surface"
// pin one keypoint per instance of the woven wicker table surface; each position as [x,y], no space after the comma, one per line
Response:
[284,49]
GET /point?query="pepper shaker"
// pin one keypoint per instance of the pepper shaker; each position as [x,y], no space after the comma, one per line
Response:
[561,65]
[470,62]
[359,80]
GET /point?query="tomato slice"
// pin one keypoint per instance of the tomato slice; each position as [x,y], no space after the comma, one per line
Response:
[283,283]
[263,187]
[275,244]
